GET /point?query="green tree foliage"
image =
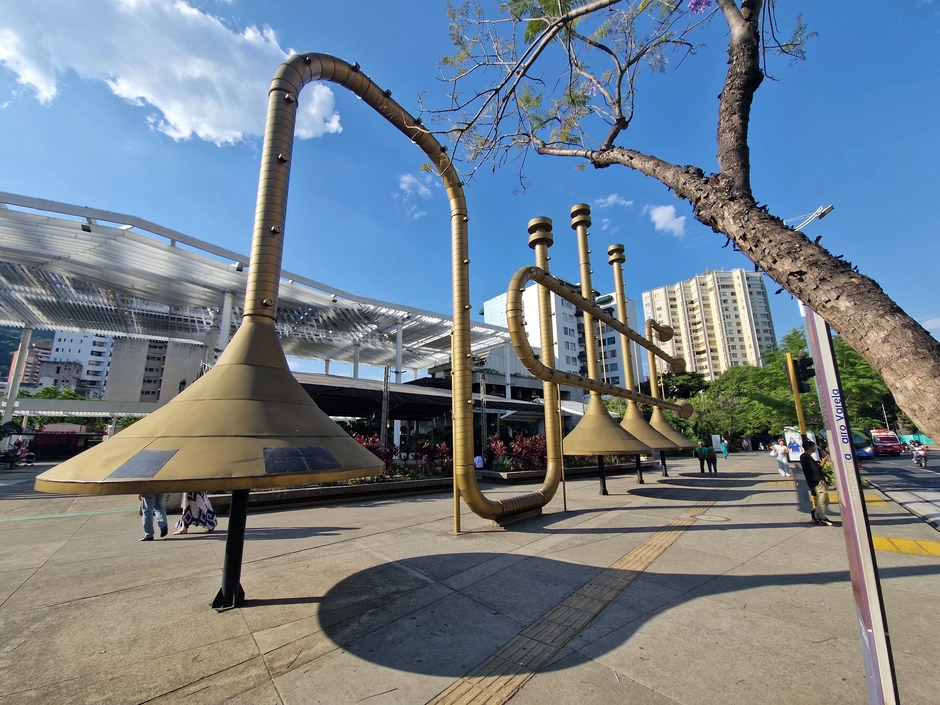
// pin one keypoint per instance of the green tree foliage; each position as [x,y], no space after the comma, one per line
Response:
[755,401]
[91,424]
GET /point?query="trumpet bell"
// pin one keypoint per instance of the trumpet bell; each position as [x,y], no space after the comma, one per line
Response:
[246,424]
[634,424]
[598,434]
[658,422]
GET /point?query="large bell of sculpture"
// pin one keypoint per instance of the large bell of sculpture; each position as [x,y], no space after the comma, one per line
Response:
[598,434]
[246,424]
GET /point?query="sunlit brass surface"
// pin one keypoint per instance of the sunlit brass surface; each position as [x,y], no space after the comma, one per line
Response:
[633,420]
[516,325]
[596,433]
[246,424]
[658,420]
[540,239]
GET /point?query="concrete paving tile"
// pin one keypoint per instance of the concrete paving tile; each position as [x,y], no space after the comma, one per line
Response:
[819,601]
[672,569]
[410,660]
[14,557]
[527,589]
[56,583]
[701,652]
[54,644]
[599,550]
[915,574]
[283,593]
[190,676]
[342,627]
[633,606]
[483,569]
[576,679]
[910,623]
[11,581]
[264,694]
[917,674]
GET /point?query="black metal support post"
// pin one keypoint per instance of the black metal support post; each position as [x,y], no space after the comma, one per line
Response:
[639,470]
[601,474]
[231,593]
[662,459]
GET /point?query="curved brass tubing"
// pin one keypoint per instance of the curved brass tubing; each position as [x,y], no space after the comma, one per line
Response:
[516,325]
[658,420]
[261,297]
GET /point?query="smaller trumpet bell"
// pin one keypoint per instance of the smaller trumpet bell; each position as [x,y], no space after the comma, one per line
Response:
[598,434]
[658,422]
[634,424]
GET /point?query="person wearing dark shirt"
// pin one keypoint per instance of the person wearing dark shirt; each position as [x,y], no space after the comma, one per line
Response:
[816,480]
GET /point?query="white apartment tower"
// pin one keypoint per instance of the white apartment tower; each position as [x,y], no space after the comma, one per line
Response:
[569,332]
[721,320]
[564,318]
[92,351]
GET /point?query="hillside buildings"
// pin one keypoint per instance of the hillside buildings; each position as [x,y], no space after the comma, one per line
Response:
[721,320]
[116,369]
[36,354]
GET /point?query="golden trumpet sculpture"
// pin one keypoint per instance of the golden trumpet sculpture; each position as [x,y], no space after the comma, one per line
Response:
[248,424]
[597,433]
[657,419]
[633,420]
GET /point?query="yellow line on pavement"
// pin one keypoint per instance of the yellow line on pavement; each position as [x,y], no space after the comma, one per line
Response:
[909,546]
[500,677]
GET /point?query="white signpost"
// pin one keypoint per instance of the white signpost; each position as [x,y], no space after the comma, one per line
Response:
[869,606]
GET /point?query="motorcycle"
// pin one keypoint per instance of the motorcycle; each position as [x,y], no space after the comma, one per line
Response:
[920,457]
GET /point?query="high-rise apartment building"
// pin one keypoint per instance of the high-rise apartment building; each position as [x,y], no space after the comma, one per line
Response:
[568,333]
[564,316]
[35,355]
[720,319]
[92,351]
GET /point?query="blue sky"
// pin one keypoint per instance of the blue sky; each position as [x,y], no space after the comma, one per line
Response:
[155,108]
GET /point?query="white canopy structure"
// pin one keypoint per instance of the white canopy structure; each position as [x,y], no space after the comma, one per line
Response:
[66,267]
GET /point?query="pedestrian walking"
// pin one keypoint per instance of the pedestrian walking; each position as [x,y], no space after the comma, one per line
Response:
[711,459]
[700,453]
[724,446]
[782,454]
[746,445]
[816,480]
[151,504]
[197,510]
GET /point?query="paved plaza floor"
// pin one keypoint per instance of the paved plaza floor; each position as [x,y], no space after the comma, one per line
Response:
[688,589]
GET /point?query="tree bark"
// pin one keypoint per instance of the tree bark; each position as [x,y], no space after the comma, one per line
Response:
[900,349]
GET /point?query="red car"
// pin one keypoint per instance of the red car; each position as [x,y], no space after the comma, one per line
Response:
[885,442]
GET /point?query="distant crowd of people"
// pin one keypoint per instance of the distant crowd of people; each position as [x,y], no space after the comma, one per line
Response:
[784,453]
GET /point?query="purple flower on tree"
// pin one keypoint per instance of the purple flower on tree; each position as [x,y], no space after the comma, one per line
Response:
[699,6]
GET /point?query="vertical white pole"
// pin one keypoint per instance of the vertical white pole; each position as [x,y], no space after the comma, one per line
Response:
[396,434]
[225,324]
[13,388]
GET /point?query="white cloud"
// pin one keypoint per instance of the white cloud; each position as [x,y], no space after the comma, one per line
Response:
[664,219]
[198,75]
[413,185]
[605,225]
[932,324]
[612,200]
